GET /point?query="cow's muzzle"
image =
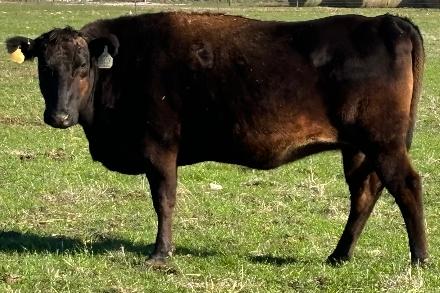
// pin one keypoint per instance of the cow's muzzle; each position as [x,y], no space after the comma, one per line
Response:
[58,120]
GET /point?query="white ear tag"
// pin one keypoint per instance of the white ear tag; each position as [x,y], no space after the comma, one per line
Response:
[105,60]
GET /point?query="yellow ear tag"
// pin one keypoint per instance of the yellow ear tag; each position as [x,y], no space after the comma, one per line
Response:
[17,56]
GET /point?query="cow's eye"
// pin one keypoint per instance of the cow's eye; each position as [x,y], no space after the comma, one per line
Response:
[83,65]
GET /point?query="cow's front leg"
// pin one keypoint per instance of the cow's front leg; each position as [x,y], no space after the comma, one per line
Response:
[162,176]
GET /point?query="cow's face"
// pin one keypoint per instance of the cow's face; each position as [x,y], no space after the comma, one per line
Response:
[66,70]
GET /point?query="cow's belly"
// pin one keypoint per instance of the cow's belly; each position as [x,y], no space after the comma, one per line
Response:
[270,150]
[261,147]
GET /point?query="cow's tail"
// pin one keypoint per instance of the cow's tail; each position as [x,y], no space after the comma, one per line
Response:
[418,64]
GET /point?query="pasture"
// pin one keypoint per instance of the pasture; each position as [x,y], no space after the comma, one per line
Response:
[69,225]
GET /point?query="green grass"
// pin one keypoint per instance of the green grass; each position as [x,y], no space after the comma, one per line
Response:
[68,224]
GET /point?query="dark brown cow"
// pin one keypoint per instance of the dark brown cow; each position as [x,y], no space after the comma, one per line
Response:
[186,88]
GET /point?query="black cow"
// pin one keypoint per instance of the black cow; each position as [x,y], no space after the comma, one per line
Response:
[188,87]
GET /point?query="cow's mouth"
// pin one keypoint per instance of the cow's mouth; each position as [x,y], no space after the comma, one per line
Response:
[59,120]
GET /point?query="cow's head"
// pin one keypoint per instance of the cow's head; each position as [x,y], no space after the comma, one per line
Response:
[67,68]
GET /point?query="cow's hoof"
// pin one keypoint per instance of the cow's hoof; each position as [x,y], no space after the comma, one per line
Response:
[420,262]
[337,260]
[156,261]
[161,264]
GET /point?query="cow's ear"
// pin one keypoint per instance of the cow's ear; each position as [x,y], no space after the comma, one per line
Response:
[98,45]
[21,48]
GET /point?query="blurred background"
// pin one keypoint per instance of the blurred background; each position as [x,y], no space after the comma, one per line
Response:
[297,3]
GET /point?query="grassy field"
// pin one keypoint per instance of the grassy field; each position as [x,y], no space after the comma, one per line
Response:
[69,225]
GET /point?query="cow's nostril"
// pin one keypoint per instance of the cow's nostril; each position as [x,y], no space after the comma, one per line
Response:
[66,121]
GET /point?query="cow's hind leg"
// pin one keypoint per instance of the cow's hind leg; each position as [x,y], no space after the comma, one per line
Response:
[365,188]
[404,185]
[162,176]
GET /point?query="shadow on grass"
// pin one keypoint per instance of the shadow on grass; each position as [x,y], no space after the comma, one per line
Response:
[273,260]
[13,241]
